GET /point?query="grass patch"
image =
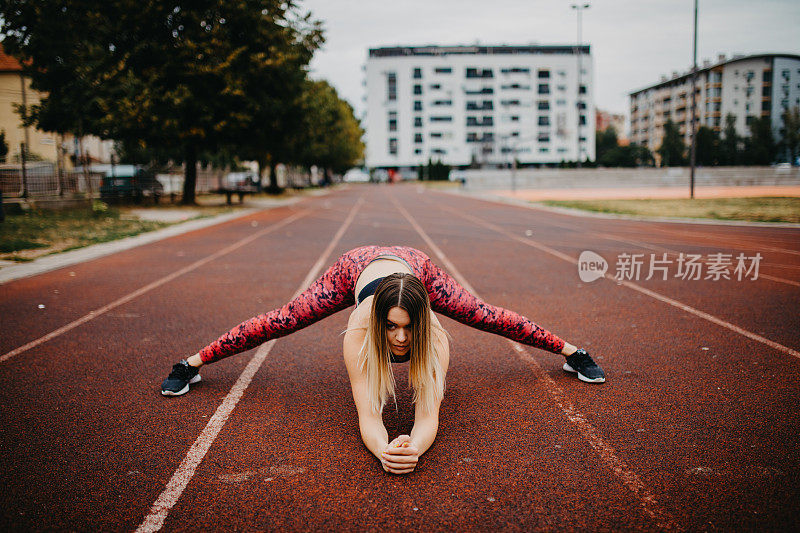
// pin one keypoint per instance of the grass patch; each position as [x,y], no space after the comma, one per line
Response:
[35,233]
[757,209]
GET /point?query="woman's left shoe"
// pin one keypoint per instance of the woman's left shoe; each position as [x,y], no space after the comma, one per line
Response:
[581,363]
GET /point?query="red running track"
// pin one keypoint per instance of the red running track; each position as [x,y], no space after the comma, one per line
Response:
[695,429]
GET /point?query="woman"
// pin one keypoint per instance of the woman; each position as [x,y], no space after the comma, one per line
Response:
[398,288]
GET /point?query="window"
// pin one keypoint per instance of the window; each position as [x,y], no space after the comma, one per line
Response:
[508,103]
[417,122]
[544,74]
[765,105]
[479,73]
[417,138]
[561,102]
[417,151]
[417,105]
[391,86]
[435,86]
[417,73]
[443,102]
[443,70]
[392,120]
[483,90]
[485,105]
[442,119]
[766,76]
[512,86]
[544,88]
[543,105]
[544,150]
[582,89]
[485,121]
[439,151]
[516,70]
[436,135]
[581,105]
[417,89]
[393,146]
[514,118]
[765,90]
[582,120]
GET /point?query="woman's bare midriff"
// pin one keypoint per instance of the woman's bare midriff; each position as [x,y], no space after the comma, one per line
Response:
[378,269]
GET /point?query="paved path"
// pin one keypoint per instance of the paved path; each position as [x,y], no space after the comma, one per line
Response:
[635,193]
[696,428]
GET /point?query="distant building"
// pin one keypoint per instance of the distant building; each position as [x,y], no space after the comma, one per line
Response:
[478,105]
[604,120]
[15,89]
[745,87]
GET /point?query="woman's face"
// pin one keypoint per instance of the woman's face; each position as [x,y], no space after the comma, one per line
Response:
[398,331]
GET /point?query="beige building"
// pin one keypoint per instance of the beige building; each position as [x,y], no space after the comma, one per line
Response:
[16,90]
[745,87]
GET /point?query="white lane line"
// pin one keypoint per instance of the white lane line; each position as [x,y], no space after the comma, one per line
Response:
[183,475]
[628,477]
[135,294]
[675,303]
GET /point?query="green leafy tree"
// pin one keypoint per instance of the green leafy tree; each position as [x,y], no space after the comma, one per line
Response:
[731,143]
[790,133]
[186,77]
[672,149]
[330,135]
[708,147]
[760,147]
[627,156]
[3,146]
[605,141]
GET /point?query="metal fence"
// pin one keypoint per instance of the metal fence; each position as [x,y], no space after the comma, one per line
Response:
[44,179]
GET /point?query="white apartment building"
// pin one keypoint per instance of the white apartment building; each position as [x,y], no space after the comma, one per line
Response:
[463,105]
[745,86]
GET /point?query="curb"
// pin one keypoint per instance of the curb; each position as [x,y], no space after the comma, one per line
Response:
[88,253]
[591,214]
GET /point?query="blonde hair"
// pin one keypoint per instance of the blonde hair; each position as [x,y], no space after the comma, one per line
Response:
[425,375]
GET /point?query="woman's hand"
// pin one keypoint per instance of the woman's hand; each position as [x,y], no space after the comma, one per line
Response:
[400,456]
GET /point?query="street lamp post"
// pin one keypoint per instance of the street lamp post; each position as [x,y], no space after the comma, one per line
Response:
[579,8]
[693,150]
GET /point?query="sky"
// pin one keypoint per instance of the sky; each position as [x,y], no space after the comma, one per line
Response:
[634,42]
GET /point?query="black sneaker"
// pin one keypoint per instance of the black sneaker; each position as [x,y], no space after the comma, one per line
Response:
[178,381]
[581,363]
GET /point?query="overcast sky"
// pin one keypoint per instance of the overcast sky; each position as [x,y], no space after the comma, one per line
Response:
[634,42]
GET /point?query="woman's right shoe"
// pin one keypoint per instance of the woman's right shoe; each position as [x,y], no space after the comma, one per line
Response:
[183,374]
[581,363]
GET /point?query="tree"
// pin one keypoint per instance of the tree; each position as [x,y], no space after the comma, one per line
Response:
[790,133]
[330,136]
[759,147]
[186,77]
[3,146]
[731,143]
[605,141]
[672,149]
[708,147]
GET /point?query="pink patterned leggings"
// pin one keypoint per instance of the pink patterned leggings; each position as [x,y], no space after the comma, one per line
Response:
[334,291]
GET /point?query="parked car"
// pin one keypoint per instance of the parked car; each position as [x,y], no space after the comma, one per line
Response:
[237,181]
[356,175]
[130,183]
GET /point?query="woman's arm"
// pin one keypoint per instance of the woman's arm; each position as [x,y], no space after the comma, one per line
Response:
[373,432]
[426,424]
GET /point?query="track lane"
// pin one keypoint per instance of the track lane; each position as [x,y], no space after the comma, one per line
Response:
[709,418]
[306,468]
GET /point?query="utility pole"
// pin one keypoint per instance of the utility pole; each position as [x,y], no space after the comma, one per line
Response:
[693,150]
[579,8]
